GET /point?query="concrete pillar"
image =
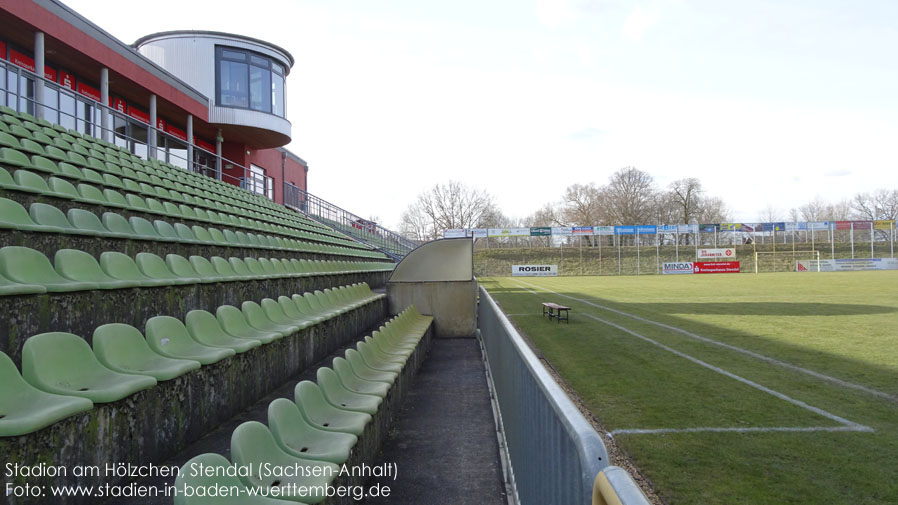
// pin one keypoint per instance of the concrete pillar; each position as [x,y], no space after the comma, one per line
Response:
[190,142]
[151,134]
[105,125]
[39,64]
[218,140]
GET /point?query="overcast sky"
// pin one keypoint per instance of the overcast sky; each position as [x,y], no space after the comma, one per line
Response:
[767,102]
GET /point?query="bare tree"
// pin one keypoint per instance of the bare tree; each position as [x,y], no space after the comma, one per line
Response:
[815,210]
[714,210]
[687,195]
[630,197]
[881,204]
[581,205]
[448,206]
[770,214]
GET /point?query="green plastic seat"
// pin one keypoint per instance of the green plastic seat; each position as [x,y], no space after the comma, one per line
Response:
[86,220]
[169,337]
[257,270]
[224,269]
[366,372]
[318,412]
[217,237]
[28,266]
[339,396]
[231,238]
[166,231]
[293,313]
[387,352]
[6,180]
[252,445]
[15,158]
[297,437]
[276,314]
[25,409]
[146,229]
[117,223]
[49,216]
[122,348]
[256,318]
[217,478]
[185,234]
[80,266]
[92,176]
[181,267]
[353,382]
[232,320]
[30,182]
[45,165]
[200,233]
[154,267]
[115,199]
[205,329]
[315,303]
[122,267]
[14,216]
[205,269]
[62,363]
[240,268]
[302,304]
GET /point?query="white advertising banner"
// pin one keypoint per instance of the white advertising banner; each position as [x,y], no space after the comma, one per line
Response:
[455,234]
[728,252]
[687,228]
[847,265]
[534,270]
[603,230]
[679,267]
[561,230]
[479,233]
[818,225]
[509,232]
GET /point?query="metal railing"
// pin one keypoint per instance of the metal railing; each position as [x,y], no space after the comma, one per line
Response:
[93,126]
[363,230]
[555,454]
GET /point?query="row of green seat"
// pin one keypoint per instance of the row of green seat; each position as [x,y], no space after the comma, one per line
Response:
[97,190]
[318,428]
[63,376]
[42,217]
[21,134]
[27,271]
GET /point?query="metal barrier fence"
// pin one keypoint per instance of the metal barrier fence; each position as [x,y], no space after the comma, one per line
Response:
[344,221]
[555,453]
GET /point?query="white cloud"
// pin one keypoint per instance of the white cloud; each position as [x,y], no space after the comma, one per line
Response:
[640,21]
[555,13]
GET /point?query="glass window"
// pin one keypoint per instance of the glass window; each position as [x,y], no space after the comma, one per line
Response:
[233,83]
[26,87]
[259,84]
[256,182]
[51,100]
[139,139]
[2,84]
[278,105]
[270,182]
[84,113]
[12,85]
[249,80]
[66,110]
[177,153]
[121,130]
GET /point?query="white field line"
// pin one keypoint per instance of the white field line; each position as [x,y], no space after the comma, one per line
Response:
[799,429]
[768,359]
[781,396]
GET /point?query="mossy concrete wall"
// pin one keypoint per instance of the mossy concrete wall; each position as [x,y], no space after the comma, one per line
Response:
[153,425]
[83,311]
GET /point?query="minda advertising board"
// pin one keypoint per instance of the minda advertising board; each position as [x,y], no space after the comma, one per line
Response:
[678,267]
[534,270]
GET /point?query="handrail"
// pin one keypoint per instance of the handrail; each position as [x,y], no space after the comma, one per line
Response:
[347,222]
[614,486]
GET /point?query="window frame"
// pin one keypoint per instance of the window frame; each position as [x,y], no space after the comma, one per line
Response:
[252,59]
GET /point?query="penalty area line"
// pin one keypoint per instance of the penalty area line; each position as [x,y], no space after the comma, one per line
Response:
[758,356]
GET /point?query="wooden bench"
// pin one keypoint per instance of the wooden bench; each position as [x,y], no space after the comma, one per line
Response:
[559,312]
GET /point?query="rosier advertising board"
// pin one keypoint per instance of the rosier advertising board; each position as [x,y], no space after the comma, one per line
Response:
[534,270]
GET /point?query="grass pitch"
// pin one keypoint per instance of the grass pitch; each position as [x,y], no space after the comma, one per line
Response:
[733,389]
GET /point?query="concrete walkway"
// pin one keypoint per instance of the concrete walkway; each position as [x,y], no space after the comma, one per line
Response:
[444,440]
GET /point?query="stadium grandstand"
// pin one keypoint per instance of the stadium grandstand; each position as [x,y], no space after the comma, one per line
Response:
[183,322]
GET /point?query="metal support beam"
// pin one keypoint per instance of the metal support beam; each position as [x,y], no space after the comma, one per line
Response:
[151,134]
[104,104]
[218,140]
[39,70]
[190,142]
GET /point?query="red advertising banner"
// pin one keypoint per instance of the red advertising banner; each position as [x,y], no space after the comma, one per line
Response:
[862,225]
[2,49]
[843,225]
[117,104]
[67,80]
[21,60]
[138,114]
[176,132]
[202,143]
[716,267]
[88,91]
